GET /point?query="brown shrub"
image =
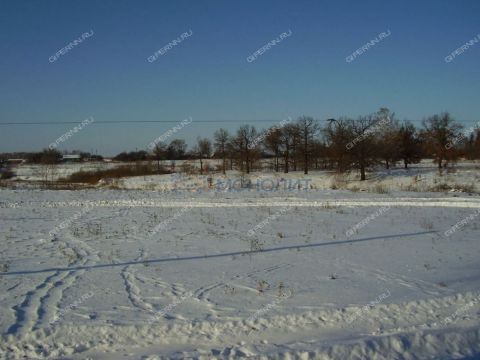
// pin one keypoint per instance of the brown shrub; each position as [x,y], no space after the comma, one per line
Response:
[93,177]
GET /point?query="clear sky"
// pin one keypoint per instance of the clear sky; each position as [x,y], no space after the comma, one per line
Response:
[207,76]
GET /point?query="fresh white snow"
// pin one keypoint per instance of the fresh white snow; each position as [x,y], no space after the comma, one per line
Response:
[201,273]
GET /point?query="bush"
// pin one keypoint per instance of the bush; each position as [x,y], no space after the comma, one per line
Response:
[93,177]
[6,174]
[380,189]
[442,187]
[188,169]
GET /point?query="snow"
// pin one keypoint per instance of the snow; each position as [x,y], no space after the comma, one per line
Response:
[157,274]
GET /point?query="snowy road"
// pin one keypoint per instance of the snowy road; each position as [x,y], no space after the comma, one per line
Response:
[225,202]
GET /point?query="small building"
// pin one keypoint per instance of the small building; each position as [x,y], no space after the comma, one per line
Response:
[15,161]
[71,158]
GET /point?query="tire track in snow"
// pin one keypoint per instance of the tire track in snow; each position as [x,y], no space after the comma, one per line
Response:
[220,202]
[26,313]
[133,292]
[32,313]
[392,278]
[130,276]
[88,256]
[397,321]
[202,292]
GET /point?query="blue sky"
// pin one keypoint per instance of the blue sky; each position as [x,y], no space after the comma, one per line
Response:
[207,76]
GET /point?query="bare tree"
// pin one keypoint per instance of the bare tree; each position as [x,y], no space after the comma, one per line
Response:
[231,151]
[203,150]
[410,148]
[160,152]
[337,135]
[273,143]
[388,137]
[472,146]
[221,138]
[296,139]
[176,149]
[308,128]
[440,131]
[286,139]
[49,160]
[364,153]
[245,143]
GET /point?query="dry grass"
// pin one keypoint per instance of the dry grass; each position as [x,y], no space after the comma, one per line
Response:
[6,174]
[380,189]
[93,177]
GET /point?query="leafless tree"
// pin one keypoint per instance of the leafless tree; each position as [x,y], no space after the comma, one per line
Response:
[49,160]
[221,137]
[273,143]
[338,134]
[246,146]
[286,139]
[440,131]
[410,148]
[388,137]
[176,149]
[160,152]
[308,129]
[203,150]
[364,151]
[295,144]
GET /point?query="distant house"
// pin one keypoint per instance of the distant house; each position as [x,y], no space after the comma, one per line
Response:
[15,161]
[71,158]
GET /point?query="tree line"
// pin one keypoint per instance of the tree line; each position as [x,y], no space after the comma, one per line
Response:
[340,144]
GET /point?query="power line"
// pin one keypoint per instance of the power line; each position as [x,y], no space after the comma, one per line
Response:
[131,122]
[171,122]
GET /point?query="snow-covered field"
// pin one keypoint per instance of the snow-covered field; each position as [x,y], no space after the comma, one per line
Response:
[423,177]
[35,172]
[213,274]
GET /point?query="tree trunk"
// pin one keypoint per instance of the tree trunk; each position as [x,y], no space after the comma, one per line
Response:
[276,160]
[305,148]
[387,164]
[286,162]
[201,166]
[362,172]
[405,162]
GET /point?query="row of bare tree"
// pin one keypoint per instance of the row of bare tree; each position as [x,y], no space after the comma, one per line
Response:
[341,144]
